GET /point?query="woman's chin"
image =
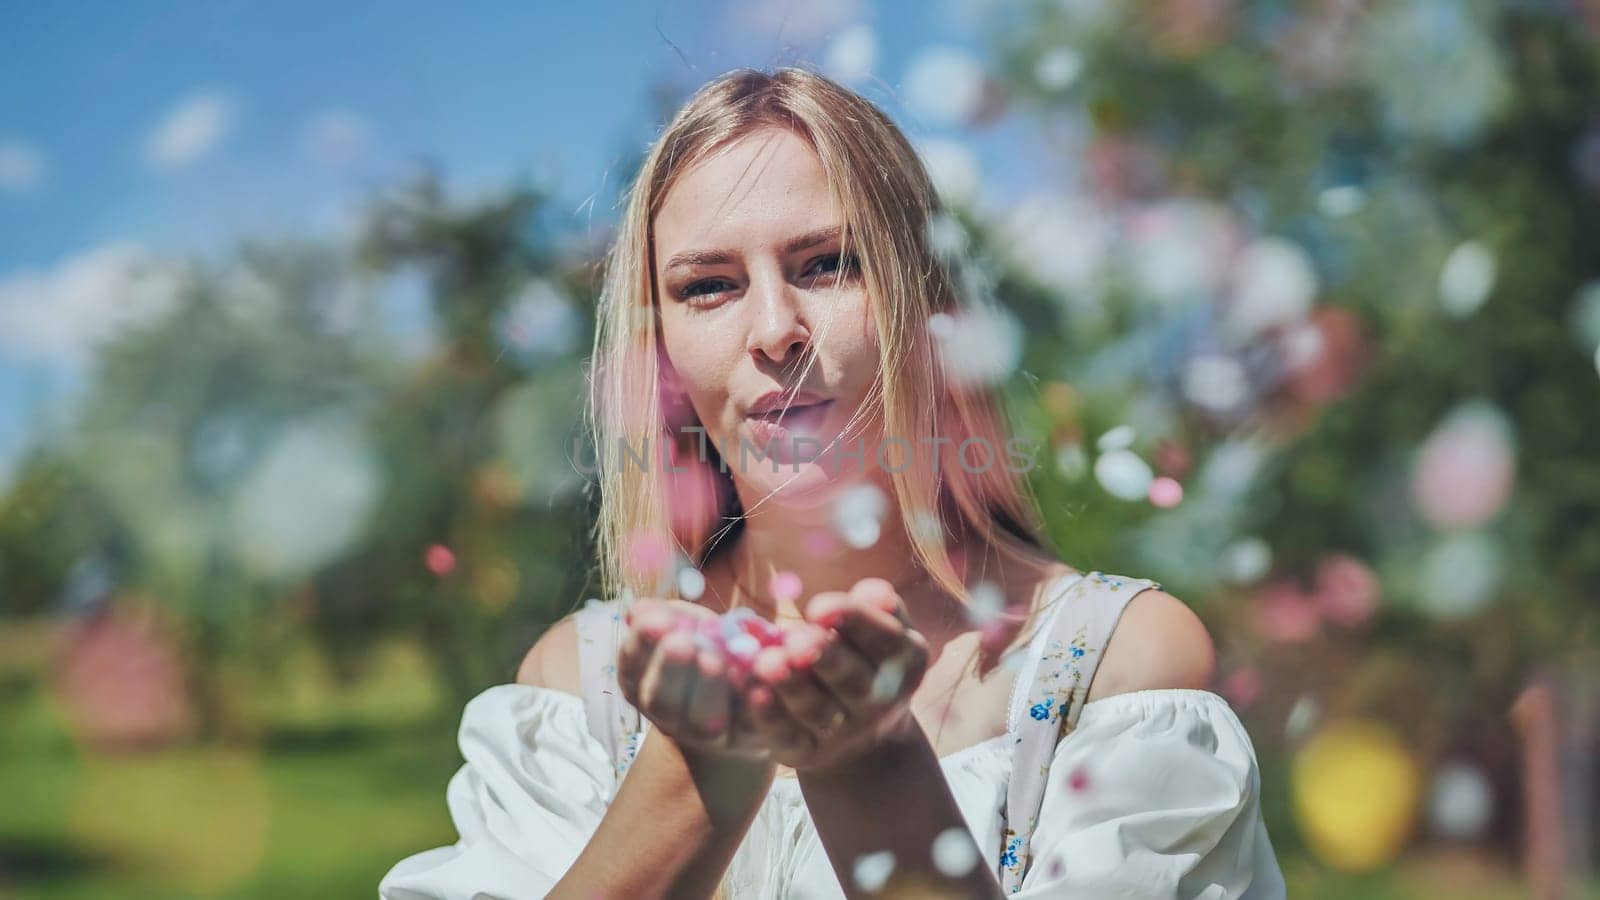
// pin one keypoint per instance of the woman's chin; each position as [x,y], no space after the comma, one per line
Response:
[794,484]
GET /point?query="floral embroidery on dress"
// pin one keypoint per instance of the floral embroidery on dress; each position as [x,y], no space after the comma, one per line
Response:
[1008,852]
[1057,695]
[629,751]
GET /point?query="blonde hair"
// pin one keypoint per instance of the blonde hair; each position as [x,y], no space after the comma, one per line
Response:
[877,179]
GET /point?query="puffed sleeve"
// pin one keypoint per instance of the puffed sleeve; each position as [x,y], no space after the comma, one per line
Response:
[529,796]
[1155,794]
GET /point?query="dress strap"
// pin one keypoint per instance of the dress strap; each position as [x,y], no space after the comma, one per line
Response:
[612,719]
[1058,686]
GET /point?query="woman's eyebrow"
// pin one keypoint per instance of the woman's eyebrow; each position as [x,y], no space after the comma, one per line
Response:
[719,257]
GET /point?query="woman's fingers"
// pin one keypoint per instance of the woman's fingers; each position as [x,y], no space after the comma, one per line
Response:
[800,694]
[775,728]
[710,697]
[865,622]
[667,680]
[844,672]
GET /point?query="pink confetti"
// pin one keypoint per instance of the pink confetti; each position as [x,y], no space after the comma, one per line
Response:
[784,586]
[439,560]
[1286,614]
[1165,492]
[647,553]
[1347,590]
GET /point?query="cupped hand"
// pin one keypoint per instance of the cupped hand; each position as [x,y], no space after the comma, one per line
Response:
[842,680]
[685,685]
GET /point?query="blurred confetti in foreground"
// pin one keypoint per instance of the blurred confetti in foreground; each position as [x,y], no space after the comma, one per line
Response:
[1460,801]
[1465,469]
[858,515]
[872,870]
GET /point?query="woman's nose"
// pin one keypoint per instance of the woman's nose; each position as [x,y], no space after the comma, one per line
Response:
[779,330]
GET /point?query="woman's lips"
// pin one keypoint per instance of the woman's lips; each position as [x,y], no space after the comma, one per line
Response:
[793,422]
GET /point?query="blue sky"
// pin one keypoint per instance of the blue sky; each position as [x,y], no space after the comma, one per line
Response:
[178,128]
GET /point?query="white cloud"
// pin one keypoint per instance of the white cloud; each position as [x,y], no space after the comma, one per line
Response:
[336,137]
[58,316]
[22,167]
[191,129]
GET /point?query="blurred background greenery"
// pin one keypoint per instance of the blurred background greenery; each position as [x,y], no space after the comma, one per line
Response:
[1301,301]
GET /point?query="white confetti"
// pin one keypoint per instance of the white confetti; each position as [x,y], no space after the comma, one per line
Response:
[1123,474]
[1118,438]
[858,515]
[1246,560]
[982,345]
[1461,802]
[954,853]
[1467,279]
[1275,284]
[1057,68]
[1216,382]
[1461,573]
[886,683]
[852,55]
[872,870]
[944,86]
[988,601]
[691,583]
[1302,716]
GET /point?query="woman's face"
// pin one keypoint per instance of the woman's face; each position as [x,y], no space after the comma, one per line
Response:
[749,275]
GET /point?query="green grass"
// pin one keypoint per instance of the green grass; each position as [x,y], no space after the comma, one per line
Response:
[320,804]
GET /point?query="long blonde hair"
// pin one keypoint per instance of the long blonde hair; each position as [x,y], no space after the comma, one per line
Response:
[888,201]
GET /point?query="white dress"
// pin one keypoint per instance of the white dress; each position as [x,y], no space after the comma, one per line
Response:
[1153,794]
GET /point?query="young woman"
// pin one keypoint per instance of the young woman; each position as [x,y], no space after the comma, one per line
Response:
[943,708]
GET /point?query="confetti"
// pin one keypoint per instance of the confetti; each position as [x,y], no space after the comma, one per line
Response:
[1467,279]
[858,515]
[691,583]
[954,853]
[1165,492]
[647,553]
[886,683]
[988,603]
[440,560]
[1302,717]
[1460,802]
[872,870]
[784,586]
[1123,474]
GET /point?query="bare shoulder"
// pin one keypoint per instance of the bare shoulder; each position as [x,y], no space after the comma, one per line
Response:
[1159,642]
[552,662]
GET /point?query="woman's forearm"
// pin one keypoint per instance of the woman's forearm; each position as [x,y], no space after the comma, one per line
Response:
[673,827]
[892,798]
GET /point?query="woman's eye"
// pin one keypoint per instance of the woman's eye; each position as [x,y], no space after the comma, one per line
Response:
[700,288]
[833,264]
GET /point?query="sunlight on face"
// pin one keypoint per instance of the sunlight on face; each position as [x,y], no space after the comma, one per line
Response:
[751,283]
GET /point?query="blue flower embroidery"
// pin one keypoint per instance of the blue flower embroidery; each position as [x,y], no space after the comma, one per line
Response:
[1008,856]
[1077,652]
[1041,711]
